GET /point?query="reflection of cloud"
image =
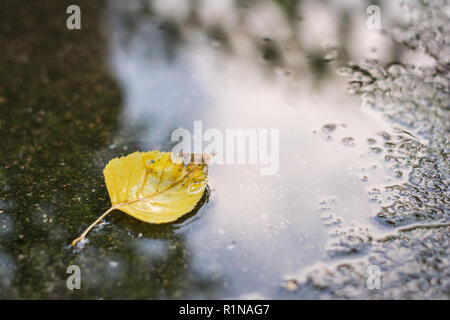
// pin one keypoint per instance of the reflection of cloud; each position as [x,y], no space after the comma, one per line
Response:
[108,267]
[153,248]
[7,270]
[267,20]
[222,13]
[160,91]
[6,225]
[174,9]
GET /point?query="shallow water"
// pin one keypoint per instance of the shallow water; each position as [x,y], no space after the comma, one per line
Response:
[359,144]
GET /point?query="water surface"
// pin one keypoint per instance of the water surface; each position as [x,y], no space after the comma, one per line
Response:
[363,148]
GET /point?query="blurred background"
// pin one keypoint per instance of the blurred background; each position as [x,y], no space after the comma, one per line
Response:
[363,115]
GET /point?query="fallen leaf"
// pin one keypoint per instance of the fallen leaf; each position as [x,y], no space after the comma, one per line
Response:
[151,187]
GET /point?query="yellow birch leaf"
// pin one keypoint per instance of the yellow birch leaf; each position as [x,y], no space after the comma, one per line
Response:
[151,187]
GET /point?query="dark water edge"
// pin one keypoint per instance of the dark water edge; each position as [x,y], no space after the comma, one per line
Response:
[59,106]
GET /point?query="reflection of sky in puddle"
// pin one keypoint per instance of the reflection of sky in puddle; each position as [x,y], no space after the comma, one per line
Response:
[7,270]
[255,228]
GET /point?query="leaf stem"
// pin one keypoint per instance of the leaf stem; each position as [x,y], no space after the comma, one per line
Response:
[83,235]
